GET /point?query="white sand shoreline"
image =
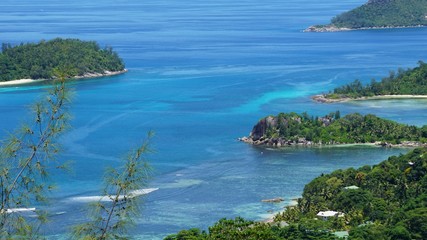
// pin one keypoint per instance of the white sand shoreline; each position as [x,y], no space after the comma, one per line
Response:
[323,99]
[391,97]
[18,82]
[21,82]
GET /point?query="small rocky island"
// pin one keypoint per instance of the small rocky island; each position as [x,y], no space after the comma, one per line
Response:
[410,83]
[377,14]
[292,129]
[73,57]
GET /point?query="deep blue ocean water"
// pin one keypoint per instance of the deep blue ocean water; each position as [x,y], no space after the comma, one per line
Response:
[201,74]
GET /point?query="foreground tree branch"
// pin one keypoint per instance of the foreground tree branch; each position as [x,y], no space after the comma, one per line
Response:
[24,163]
[123,188]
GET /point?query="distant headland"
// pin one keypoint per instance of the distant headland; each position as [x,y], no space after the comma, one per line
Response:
[292,129]
[73,58]
[378,14]
[405,84]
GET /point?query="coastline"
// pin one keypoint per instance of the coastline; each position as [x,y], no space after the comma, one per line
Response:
[270,218]
[97,75]
[266,142]
[321,98]
[19,82]
[332,28]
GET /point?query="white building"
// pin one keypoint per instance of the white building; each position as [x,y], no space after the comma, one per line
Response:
[352,187]
[328,214]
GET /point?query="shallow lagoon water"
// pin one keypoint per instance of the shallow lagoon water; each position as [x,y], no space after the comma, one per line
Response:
[201,74]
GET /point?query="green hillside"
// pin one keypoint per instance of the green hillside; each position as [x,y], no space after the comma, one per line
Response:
[384,13]
[379,14]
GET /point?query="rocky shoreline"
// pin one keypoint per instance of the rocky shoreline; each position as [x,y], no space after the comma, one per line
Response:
[326,28]
[277,142]
[323,99]
[97,75]
[333,28]
[280,142]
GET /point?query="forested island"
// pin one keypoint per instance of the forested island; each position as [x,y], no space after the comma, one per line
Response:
[290,129]
[410,83]
[385,201]
[379,14]
[73,57]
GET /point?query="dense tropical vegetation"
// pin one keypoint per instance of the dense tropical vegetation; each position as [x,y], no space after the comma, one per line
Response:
[293,128]
[385,201]
[242,229]
[380,13]
[404,82]
[384,13]
[391,201]
[38,60]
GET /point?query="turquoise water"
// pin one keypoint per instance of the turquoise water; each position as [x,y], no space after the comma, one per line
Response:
[201,74]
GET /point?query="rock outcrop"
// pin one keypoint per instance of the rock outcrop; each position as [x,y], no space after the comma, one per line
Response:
[259,133]
[325,28]
[273,200]
[260,129]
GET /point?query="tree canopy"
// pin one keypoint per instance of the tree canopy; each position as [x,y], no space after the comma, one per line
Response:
[38,60]
[390,203]
[291,128]
[384,13]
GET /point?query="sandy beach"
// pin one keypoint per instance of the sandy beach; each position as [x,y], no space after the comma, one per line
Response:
[392,97]
[323,99]
[31,81]
[20,82]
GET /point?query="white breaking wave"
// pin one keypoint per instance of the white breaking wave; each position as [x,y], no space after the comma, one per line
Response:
[16,210]
[132,194]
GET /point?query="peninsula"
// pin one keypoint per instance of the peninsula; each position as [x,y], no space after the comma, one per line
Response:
[410,83]
[292,129]
[31,62]
[377,14]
